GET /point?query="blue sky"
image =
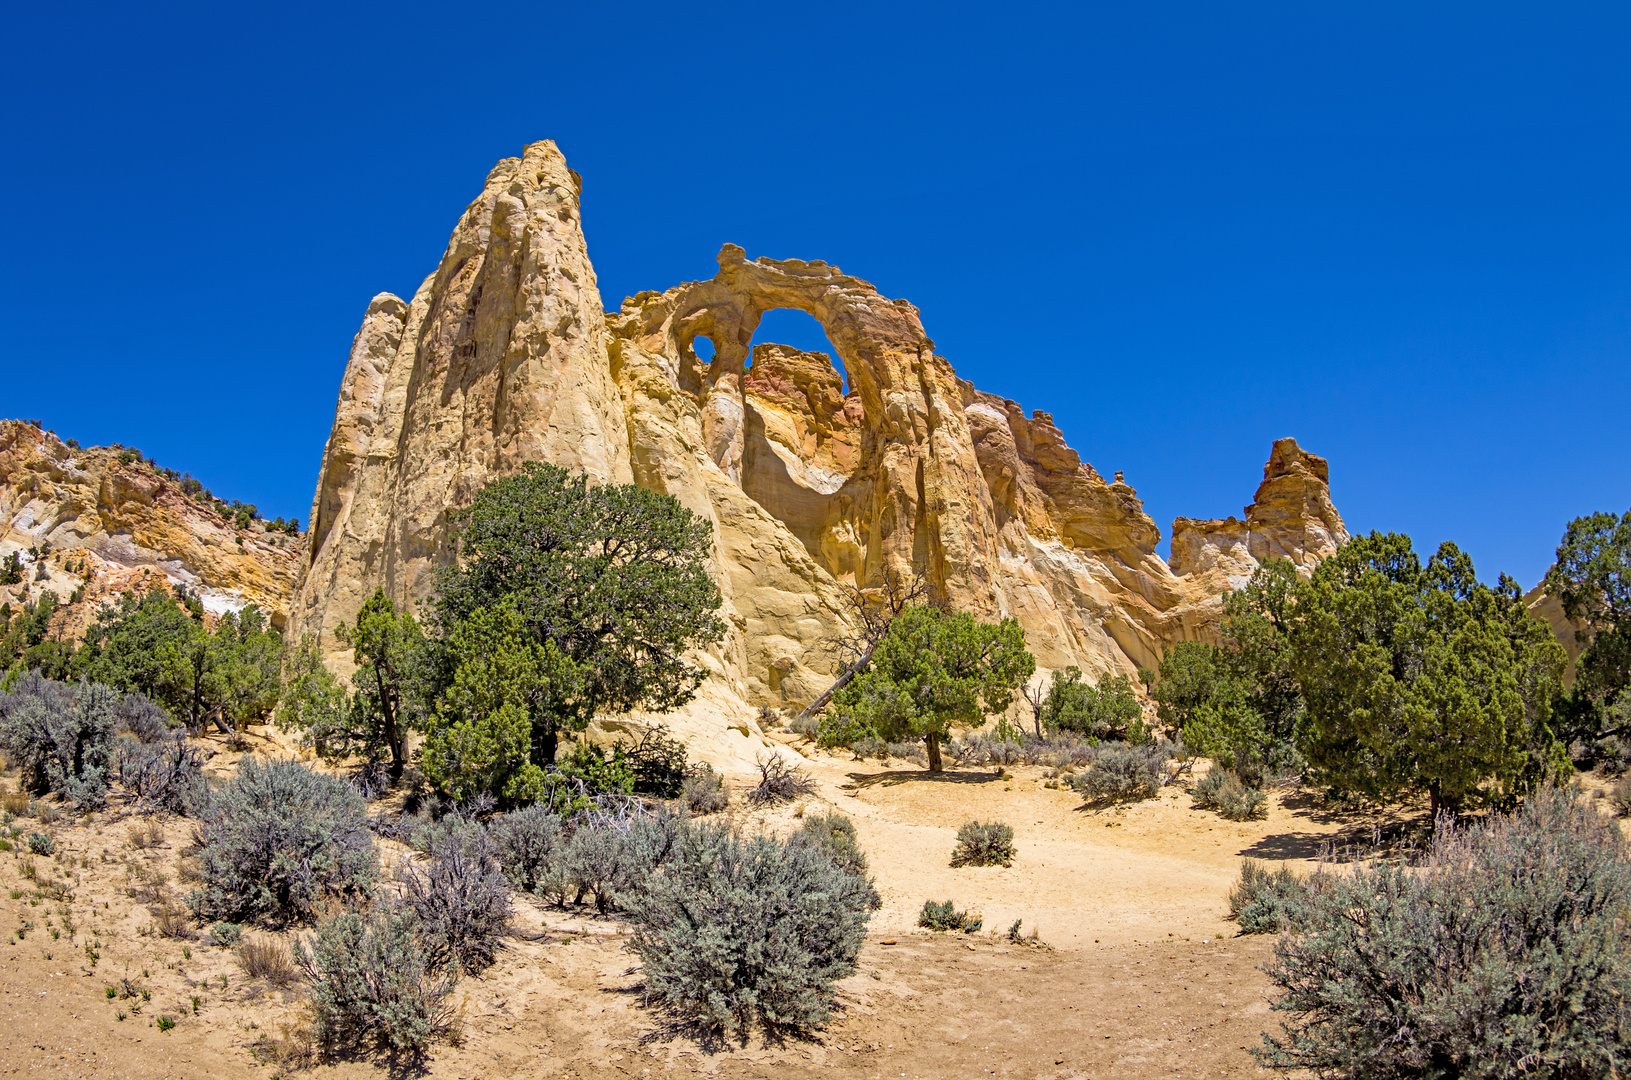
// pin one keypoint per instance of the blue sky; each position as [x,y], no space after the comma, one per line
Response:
[1401,235]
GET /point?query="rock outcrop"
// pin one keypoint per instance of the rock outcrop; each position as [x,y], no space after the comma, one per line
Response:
[124,525]
[1291,517]
[504,355]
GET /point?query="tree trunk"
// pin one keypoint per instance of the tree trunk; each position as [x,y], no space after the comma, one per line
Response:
[827,695]
[934,753]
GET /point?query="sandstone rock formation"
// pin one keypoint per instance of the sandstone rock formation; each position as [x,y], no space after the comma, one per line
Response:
[128,526]
[504,355]
[1291,517]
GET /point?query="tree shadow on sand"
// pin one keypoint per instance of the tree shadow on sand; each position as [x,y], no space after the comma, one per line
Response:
[896,777]
[1360,831]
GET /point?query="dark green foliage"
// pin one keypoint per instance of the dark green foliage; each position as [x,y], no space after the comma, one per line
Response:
[11,569]
[61,736]
[371,983]
[1592,580]
[734,932]
[1110,710]
[1224,792]
[1262,900]
[388,649]
[1508,953]
[41,844]
[989,844]
[705,791]
[612,581]
[1240,705]
[945,916]
[657,760]
[154,645]
[1422,678]
[930,671]
[460,902]
[278,840]
[1122,773]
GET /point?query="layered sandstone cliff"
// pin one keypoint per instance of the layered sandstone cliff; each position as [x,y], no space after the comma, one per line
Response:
[504,354]
[111,526]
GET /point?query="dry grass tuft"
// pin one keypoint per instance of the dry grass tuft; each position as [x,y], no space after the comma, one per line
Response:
[266,958]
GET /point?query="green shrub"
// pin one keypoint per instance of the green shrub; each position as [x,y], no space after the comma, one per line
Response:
[1263,900]
[868,746]
[278,840]
[612,860]
[371,983]
[225,935]
[1122,773]
[705,791]
[945,916]
[979,844]
[1507,953]
[41,844]
[460,902]
[1222,791]
[737,931]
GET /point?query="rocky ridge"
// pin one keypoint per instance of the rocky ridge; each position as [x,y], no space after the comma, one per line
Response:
[112,526]
[505,354]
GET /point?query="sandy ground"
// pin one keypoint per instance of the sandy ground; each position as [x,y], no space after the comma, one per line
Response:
[1138,973]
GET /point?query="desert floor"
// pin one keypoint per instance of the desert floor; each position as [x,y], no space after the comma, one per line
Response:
[1138,973]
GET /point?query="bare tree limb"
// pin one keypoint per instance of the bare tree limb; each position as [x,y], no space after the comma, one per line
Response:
[874,610]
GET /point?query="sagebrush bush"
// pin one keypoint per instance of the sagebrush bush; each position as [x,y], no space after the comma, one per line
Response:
[163,775]
[1122,772]
[988,844]
[808,726]
[41,844]
[224,935]
[529,843]
[1224,792]
[868,746]
[279,839]
[908,751]
[1508,952]
[370,982]
[945,916]
[835,835]
[735,931]
[705,791]
[460,902]
[141,718]
[779,782]
[1263,900]
[60,736]
[612,861]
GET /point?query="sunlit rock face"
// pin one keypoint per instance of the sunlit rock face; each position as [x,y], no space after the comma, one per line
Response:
[125,525]
[815,472]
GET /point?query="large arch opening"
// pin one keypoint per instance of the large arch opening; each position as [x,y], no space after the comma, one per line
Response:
[803,437]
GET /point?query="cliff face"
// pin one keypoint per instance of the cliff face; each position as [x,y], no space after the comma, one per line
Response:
[124,526]
[504,355]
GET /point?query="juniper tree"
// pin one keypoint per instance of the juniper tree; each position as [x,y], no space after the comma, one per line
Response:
[611,581]
[930,671]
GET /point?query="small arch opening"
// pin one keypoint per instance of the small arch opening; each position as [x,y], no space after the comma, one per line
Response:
[704,348]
